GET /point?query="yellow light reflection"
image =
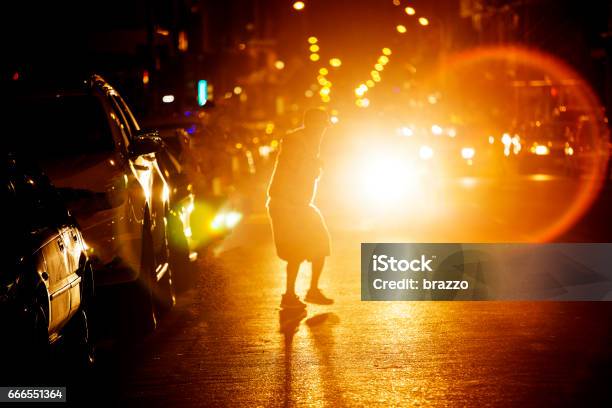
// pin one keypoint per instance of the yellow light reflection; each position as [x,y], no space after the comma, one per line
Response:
[362,102]
[335,62]
[165,193]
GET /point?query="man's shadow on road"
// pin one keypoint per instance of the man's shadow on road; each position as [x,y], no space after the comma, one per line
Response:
[320,327]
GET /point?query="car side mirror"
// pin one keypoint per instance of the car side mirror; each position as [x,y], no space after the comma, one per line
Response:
[145,143]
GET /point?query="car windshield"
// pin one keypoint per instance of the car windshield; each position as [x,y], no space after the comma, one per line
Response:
[59,126]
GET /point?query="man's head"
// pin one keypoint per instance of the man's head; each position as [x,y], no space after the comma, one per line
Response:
[316,119]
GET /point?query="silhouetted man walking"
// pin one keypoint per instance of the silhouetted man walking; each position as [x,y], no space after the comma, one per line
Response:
[298,227]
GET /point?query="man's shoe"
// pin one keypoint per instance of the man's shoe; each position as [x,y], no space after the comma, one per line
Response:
[317,297]
[291,301]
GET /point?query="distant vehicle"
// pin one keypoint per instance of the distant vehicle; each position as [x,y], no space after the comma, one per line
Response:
[549,147]
[89,143]
[46,283]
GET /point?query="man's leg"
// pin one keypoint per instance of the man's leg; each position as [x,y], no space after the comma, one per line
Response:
[317,268]
[292,271]
[314,294]
[289,299]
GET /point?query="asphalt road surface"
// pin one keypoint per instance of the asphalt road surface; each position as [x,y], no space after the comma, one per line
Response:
[226,344]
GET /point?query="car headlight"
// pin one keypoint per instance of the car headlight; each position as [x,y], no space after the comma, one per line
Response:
[540,150]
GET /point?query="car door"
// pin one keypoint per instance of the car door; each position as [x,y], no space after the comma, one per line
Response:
[48,216]
[72,241]
[57,277]
[137,187]
[159,191]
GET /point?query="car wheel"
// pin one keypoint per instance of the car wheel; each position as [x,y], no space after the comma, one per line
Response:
[182,269]
[39,339]
[31,354]
[139,306]
[78,343]
[165,297]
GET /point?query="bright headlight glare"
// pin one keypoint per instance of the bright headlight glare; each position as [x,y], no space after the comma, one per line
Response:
[468,153]
[218,221]
[426,152]
[232,219]
[540,150]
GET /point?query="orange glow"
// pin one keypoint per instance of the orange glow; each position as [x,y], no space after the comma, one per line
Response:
[386,51]
[410,11]
[313,40]
[401,28]
[299,5]
[314,57]
[564,205]
[279,65]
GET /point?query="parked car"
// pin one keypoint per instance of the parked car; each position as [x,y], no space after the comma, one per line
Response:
[88,142]
[181,206]
[204,217]
[46,283]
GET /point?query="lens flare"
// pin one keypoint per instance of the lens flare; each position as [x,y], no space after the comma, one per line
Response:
[557,201]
